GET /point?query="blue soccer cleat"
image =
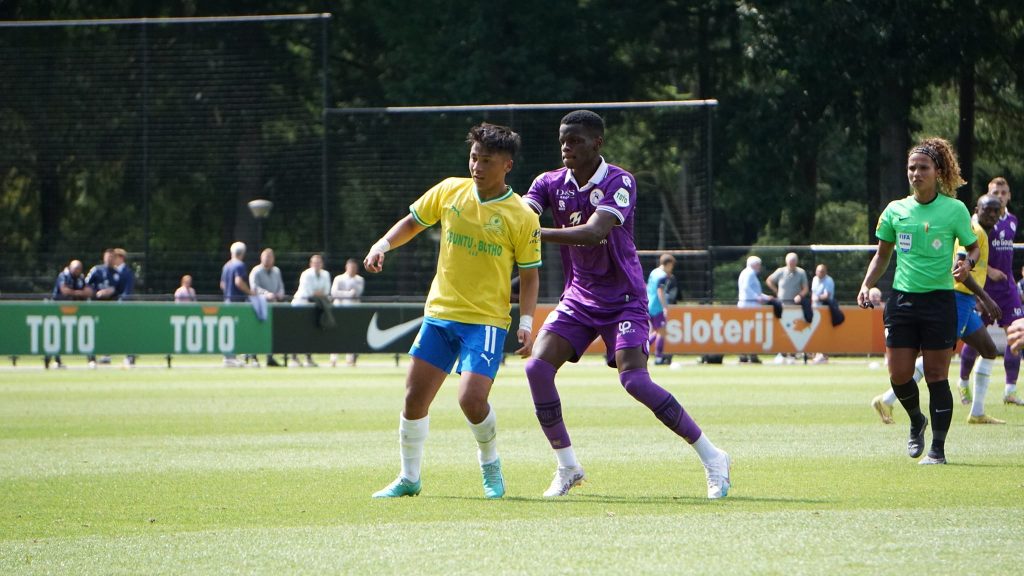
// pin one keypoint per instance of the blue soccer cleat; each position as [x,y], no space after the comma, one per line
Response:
[400,487]
[494,481]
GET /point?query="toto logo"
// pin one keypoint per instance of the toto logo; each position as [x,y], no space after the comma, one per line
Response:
[209,334]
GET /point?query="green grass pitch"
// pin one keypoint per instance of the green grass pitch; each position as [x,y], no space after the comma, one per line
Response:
[202,470]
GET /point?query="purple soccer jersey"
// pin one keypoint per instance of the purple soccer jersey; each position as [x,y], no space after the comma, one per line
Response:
[607,275]
[1000,257]
[605,293]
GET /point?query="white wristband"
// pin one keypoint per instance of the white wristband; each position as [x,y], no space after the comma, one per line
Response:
[526,323]
[382,245]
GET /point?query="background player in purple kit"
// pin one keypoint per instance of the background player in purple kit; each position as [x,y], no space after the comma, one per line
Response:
[657,305]
[604,296]
[1001,287]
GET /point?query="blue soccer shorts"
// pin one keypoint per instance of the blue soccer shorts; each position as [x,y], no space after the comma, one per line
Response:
[475,348]
[968,321]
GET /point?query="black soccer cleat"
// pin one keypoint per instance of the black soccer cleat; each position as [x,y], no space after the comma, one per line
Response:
[915,445]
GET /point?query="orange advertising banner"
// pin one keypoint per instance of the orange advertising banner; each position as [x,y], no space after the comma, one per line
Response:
[731,330]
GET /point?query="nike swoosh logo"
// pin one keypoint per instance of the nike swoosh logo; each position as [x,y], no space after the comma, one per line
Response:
[378,338]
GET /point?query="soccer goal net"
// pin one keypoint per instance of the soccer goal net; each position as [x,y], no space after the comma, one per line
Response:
[382,159]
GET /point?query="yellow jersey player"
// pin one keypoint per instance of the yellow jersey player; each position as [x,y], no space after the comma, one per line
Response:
[486,229]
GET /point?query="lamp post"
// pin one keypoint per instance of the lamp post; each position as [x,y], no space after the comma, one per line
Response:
[260,210]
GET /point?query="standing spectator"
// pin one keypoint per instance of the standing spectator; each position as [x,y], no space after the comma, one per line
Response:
[235,287]
[123,287]
[789,282]
[657,305]
[265,280]
[750,295]
[346,290]
[791,287]
[102,280]
[70,285]
[314,286]
[185,292]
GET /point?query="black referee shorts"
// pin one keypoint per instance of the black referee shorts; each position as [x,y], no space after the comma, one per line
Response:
[924,320]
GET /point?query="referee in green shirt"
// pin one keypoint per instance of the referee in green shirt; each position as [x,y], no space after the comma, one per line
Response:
[920,316]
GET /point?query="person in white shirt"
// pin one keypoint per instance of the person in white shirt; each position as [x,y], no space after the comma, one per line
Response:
[346,290]
[313,282]
[750,295]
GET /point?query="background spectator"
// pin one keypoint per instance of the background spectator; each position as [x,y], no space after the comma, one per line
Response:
[314,284]
[265,280]
[346,290]
[124,285]
[235,287]
[750,296]
[70,285]
[102,279]
[185,292]
[789,282]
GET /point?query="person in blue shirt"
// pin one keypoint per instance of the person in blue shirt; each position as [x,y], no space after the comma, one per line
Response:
[70,285]
[102,280]
[657,304]
[234,282]
[124,285]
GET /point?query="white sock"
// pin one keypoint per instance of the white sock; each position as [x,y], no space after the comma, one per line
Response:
[889,397]
[981,378]
[412,434]
[1010,389]
[919,369]
[486,434]
[566,457]
[965,383]
[707,451]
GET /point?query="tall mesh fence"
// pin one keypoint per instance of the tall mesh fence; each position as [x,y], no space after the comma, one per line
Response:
[382,160]
[153,136]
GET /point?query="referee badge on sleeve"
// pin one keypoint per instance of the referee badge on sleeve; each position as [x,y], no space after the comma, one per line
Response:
[906,240]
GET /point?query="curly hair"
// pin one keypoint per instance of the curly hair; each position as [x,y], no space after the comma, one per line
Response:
[948,168]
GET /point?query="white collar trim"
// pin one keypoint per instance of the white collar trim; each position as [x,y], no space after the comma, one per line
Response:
[599,175]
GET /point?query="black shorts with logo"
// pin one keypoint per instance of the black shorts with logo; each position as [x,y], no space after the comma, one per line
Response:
[924,320]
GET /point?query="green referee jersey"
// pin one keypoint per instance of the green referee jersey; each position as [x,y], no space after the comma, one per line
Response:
[924,235]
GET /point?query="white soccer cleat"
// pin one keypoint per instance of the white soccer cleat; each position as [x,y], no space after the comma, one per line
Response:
[566,478]
[719,480]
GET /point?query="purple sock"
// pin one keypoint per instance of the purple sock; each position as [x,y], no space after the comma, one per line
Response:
[1011,361]
[652,338]
[640,386]
[546,402]
[967,357]
[659,345]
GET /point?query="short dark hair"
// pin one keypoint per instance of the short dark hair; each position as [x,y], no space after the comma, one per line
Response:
[495,138]
[587,119]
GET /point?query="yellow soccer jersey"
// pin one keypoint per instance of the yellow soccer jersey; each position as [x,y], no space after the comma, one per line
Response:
[480,242]
[980,271]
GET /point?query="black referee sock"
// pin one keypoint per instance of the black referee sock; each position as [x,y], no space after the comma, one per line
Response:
[941,408]
[910,398]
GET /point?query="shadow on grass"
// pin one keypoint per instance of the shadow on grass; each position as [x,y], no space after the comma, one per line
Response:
[637,500]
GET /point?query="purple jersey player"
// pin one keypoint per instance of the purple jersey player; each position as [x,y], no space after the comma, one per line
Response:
[1001,287]
[605,295]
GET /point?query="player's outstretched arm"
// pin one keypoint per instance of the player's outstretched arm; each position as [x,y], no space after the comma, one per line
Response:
[401,233]
[591,233]
[876,268]
[529,287]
